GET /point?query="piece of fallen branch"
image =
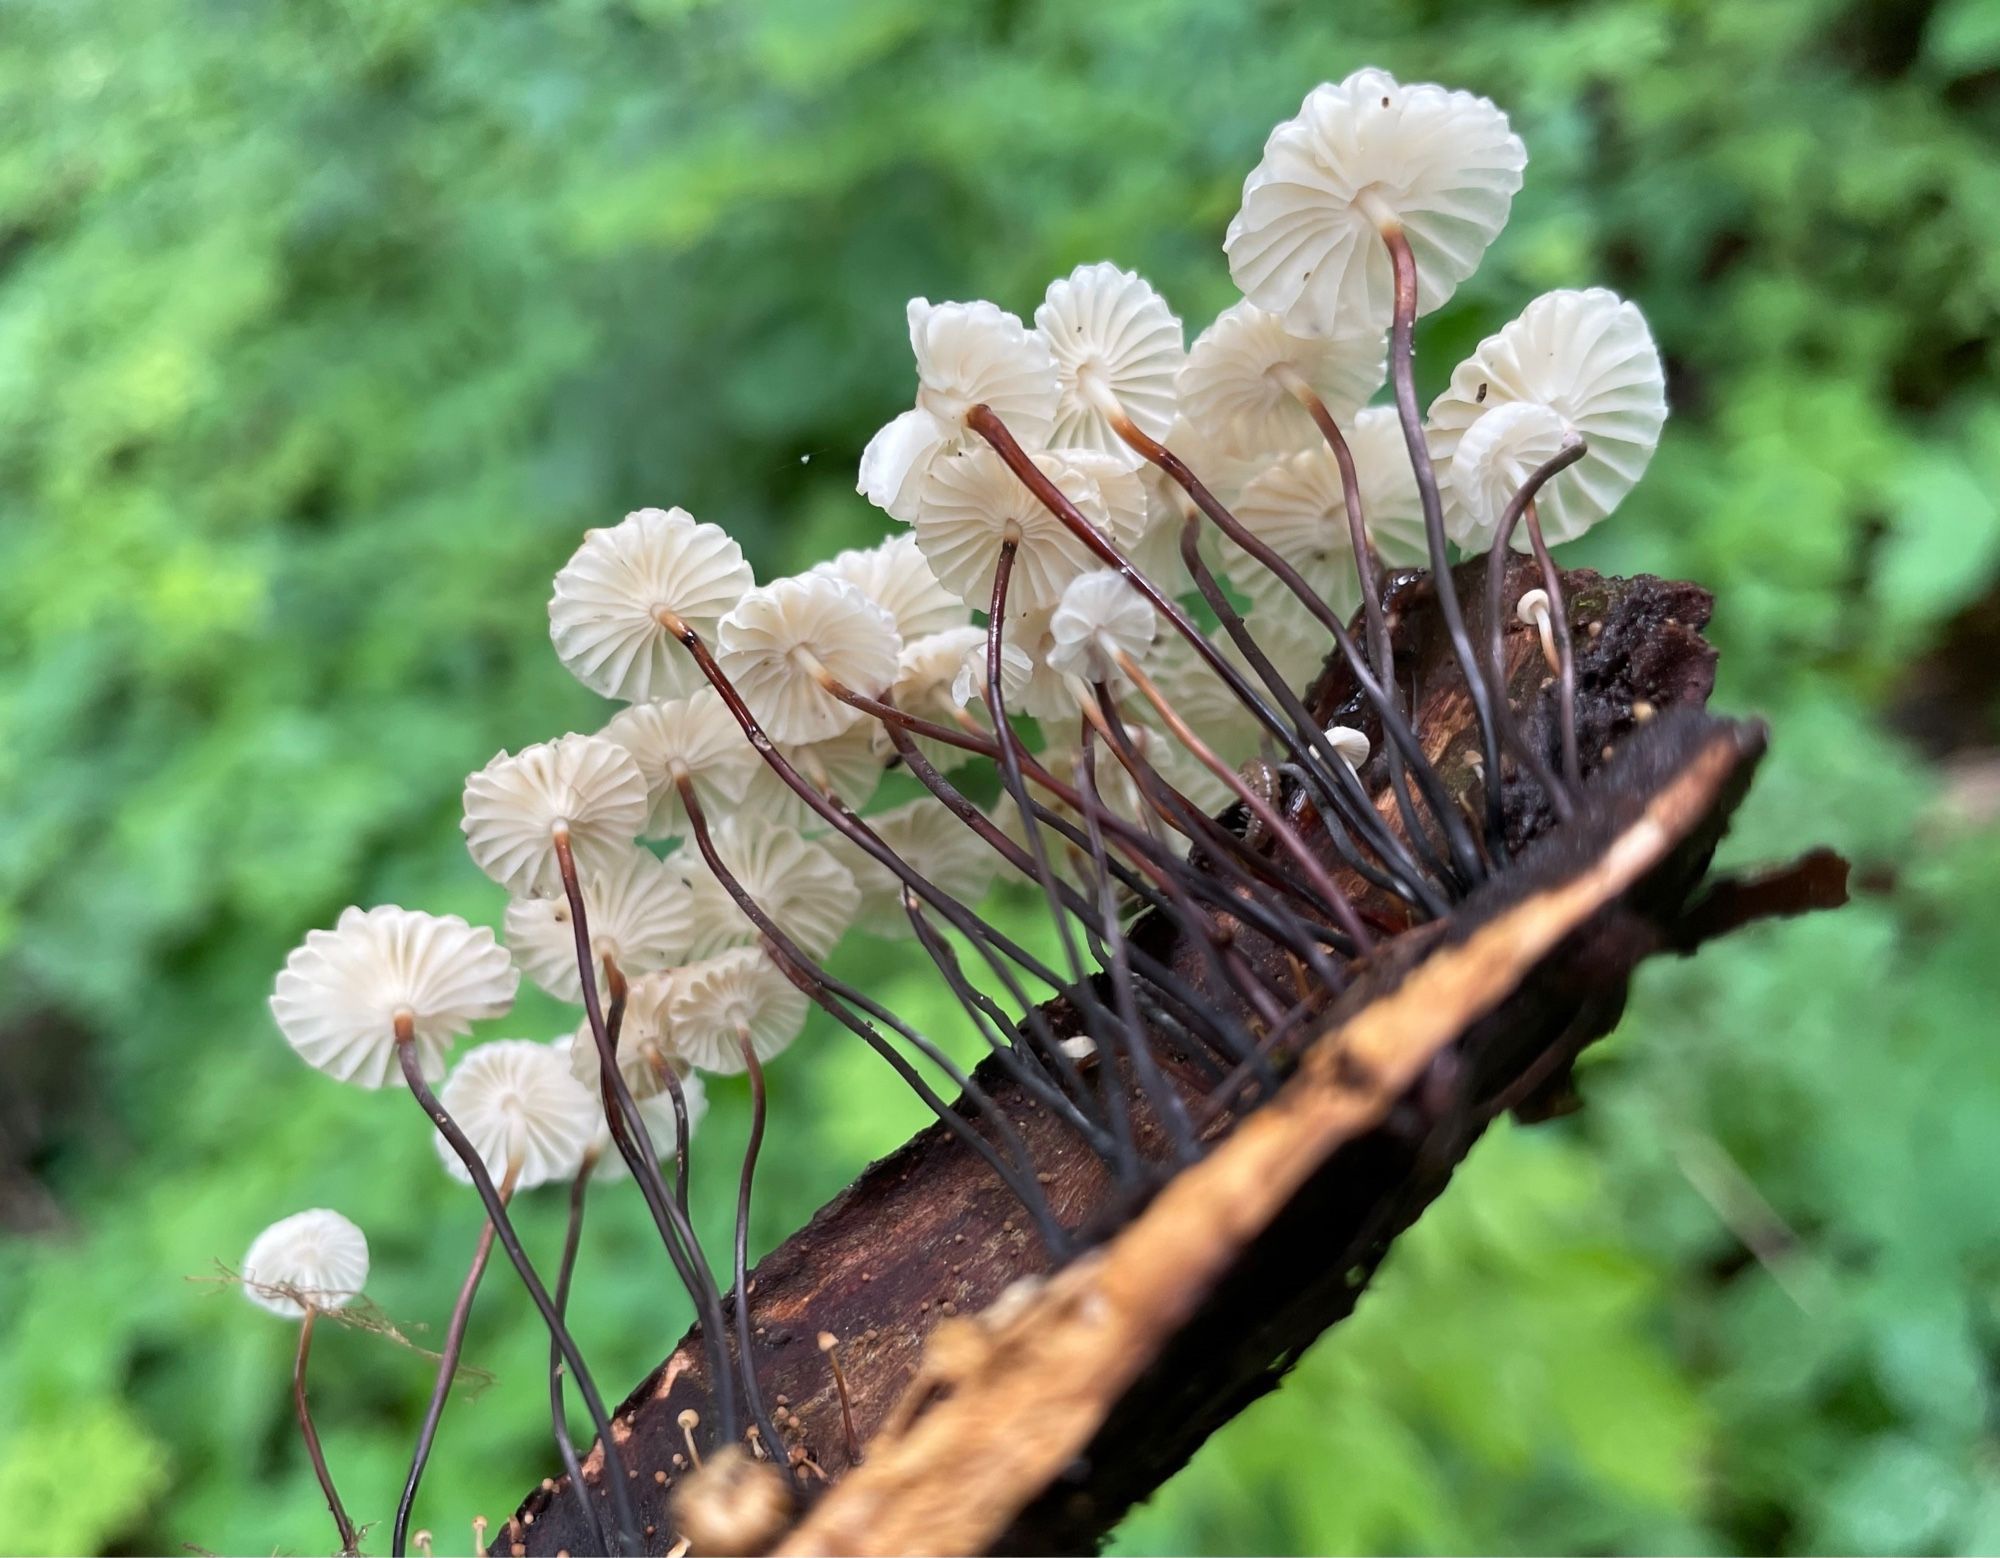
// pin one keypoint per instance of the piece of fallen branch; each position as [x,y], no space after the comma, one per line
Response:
[1014,1406]
[928,1236]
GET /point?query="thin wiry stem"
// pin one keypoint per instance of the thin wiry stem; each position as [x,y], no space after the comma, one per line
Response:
[454,1346]
[983,420]
[1367,567]
[842,1002]
[496,1213]
[558,1414]
[1083,995]
[310,1434]
[1275,824]
[1496,573]
[1172,879]
[1397,872]
[635,1145]
[1402,372]
[1565,656]
[1159,1093]
[744,1329]
[1327,774]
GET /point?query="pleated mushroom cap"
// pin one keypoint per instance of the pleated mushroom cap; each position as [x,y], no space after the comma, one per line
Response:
[696,736]
[1349,745]
[740,991]
[604,617]
[1233,386]
[1100,616]
[1299,509]
[516,804]
[339,994]
[1306,245]
[318,1256]
[1113,339]
[926,686]
[516,1102]
[641,915]
[1019,668]
[1390,504]
[897,577]
[972,500]
[847,766]
[808,894]
[1586,357]
[779,637]
[968,354]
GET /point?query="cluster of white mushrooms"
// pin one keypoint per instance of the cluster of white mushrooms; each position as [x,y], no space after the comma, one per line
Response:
[1145,548]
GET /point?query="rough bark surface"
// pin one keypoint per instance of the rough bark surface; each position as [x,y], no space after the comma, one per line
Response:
[927,1234]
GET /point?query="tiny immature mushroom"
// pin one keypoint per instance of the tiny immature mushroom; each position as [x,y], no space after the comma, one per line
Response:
[1532,610]
[829,1346]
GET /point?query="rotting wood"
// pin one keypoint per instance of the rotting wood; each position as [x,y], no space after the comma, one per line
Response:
[926,1235]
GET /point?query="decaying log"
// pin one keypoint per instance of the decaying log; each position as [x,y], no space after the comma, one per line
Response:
[1036,1426]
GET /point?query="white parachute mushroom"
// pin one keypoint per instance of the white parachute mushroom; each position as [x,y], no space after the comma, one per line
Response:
[582,789]
[973,502]
[968,355]
[614,600]
[782,642]
[1118,353]
[715,1005]
[340,995]
[529,1120]
[1365,156]
[808,894]
[896,576]
[1101,617]
[1026,683]
[1244,373]
[316,1259]
[1574,364]
[696,738]
[926,686]
[641,917]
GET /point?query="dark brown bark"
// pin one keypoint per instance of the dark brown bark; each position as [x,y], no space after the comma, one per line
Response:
[928,1234]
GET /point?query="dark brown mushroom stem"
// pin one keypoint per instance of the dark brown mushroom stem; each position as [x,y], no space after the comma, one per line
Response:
[845,1005]
[1389,710]
[496,1214]
[447,1370]
[579,1185]
[635,1145]
[754,1068]
[1402,374]
[1523,502]
[310,1434]
[1304,742]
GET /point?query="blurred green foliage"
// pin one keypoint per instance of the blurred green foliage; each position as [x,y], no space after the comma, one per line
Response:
[326,327]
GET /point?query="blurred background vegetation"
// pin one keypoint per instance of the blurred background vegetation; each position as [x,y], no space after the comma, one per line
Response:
[326,328]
